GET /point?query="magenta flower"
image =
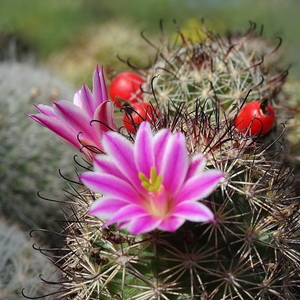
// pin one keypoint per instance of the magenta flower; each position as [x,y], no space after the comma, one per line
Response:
[150,184]
[81,123]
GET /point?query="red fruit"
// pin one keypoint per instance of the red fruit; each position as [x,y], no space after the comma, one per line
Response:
[253,120]
[126,86]
[137,113]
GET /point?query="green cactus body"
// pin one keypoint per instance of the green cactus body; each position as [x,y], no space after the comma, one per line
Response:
[219,73]
[252,251]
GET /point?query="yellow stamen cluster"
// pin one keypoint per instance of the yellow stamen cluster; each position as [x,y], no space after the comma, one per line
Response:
[153,183]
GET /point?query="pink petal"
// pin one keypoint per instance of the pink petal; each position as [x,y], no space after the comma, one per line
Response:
[174,163]
[104,163]
[37,118]
[160,142]
[143,224]
[110,185]
[172,223]
[77,99]
[58,127]
[143,149]
[99,87]
[193,211]
[75,117]
[198,162]
[104,208]
[200,186]
[127,213]
[46,110]
[122,152]
[87,101]
[103,119]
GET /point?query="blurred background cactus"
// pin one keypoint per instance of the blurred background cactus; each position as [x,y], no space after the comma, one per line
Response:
[30,158]
[21,265]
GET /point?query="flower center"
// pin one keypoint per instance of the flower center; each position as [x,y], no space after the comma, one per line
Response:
[153,184]
[156,200]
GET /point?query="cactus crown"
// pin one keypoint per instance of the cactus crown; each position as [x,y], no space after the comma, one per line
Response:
[218,72]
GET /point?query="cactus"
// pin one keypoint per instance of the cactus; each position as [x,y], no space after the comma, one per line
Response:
[252,252]
[218,72]
[29,159]
[21,265]
[252,248]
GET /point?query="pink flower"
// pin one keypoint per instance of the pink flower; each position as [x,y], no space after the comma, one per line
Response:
[81,123]
[151,184]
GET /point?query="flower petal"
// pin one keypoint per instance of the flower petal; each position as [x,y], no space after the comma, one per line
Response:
[105,164]
[110,185]
[99,87]
[75,117]
[160,142]
[172,223]
[87,101]
[105,207]
[103,118]
[196,166]
[193,211]
[77,99]
[46,110]
[143,149]
[174,163]
[122,152]
[143,224]
[199,187]
[126,214]
[59,128]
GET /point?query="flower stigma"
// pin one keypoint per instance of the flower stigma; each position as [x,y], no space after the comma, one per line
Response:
[153,184]
[156,197]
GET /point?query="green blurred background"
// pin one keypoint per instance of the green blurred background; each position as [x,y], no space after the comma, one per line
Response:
[58,30]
